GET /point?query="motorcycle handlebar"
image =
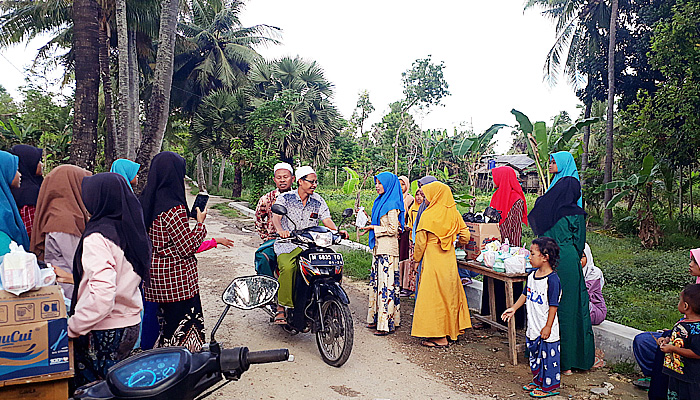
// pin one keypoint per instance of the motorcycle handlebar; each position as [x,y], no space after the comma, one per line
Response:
[268,356]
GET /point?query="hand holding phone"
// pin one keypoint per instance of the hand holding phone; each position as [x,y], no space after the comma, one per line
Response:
[199,202]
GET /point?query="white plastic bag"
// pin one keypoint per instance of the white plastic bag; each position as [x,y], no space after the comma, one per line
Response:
[515,264]
[20,271]
[489,258]
[361,219]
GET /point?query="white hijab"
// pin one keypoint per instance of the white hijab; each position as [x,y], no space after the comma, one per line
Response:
[590,271]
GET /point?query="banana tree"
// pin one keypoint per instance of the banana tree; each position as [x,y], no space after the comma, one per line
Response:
[542,141]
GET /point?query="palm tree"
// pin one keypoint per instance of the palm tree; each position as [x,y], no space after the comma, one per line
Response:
[607,217]
[311,117]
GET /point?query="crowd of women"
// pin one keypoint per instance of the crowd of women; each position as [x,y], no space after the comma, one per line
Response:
[126,265]
[413,242]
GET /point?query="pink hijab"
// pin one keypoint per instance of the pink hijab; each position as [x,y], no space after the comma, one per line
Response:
[695,253]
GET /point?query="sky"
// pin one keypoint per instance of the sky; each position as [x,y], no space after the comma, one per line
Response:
[493,53]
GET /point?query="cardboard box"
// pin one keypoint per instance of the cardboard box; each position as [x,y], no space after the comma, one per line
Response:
[480,234]
[33,334]
[46,390]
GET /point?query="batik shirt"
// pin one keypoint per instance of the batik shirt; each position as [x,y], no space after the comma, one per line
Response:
[304,216]
[685,335]
[263,215]
[542,293]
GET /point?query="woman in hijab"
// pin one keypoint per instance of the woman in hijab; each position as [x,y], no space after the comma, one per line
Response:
[409,281]
[421,182]
[128,169]
[60,220]
[387,219]
[11,223]
[562,164]
[509,199]
[173,284]
[594,283]
[30,167]
[405,238]
[441,310]
[112,258]
[556,214]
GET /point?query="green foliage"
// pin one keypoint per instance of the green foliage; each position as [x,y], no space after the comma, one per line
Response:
[424,84]
[357,264]
[226,210]
[351,183]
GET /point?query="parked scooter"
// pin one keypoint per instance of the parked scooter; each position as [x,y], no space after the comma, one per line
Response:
[173,373]
[321,304]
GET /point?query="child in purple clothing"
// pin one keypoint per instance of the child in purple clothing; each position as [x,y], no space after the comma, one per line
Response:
[541,298]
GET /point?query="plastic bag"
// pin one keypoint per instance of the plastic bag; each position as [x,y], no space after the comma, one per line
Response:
[20,271]
[489,258]
[361,219]
[515,264]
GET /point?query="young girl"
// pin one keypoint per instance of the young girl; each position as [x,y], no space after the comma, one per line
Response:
[682,360]
[387,218]
[541,296]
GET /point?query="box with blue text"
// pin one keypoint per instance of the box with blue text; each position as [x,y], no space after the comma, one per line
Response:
[33,334]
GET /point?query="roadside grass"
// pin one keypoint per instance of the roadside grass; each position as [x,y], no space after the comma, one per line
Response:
[357,263]
[227,211]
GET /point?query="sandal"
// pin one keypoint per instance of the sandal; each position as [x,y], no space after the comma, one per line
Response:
[381,333]
[531,386]
[371,326]
[433,345]
[280,318]
[539,393]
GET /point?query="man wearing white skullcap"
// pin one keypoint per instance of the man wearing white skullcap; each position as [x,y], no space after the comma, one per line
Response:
[283,178]
[306,209]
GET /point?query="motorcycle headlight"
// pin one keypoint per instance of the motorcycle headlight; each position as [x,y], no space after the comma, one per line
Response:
[322,239]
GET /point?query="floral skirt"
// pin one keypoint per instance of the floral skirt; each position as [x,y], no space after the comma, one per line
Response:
[181,324]
[384,304]
[99,350]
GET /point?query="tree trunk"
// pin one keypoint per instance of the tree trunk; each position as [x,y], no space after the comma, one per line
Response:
[586,139]
[200,174]
[87,83]
[107,91]
[396,146]
[237,189]
[159,106]
[336,176]
[210,178]
[607,217]
[221,172]
[124,121]
[133,107]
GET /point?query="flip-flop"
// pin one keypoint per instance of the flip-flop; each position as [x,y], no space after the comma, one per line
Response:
[381,333]
[371,326]
[434,345]
[531,386]
[542,393]
[280,318]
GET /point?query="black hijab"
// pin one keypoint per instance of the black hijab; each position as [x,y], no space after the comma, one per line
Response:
[165,187]
[115,214]
[29,158]
[558,202]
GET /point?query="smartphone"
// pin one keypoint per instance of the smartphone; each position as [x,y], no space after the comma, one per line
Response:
[199,202]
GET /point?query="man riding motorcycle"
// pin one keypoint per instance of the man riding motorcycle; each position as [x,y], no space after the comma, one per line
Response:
[306,209]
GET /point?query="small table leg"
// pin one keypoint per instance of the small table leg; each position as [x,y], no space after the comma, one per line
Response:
[511,324]
[492,301]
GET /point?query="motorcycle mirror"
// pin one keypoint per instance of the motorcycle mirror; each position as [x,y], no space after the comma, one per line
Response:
[347,212]
[250,292]
[279,209]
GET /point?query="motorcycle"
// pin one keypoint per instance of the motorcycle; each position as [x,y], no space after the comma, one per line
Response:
[321,304]
[174,373]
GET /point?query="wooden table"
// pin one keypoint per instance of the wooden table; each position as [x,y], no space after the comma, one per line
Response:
[492,319]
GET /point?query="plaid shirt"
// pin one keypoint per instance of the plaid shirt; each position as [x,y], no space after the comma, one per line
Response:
[174,266]
[27,214]
[304,216]
[263,216]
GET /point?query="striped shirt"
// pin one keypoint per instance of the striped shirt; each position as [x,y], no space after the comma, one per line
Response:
[512,227]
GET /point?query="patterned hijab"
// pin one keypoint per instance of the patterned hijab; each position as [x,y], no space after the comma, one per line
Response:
[566,166]
[10,220]
[391,199]
[508,191]
[441,217]
[60,206]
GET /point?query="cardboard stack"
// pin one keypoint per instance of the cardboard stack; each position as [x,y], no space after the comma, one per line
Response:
[480,234]
[35,360]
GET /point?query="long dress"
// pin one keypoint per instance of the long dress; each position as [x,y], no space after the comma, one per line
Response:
[441,306]
[384,306]
[577,341]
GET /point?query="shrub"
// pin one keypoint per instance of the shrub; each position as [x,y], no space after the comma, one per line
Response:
[357,263]
[654,271]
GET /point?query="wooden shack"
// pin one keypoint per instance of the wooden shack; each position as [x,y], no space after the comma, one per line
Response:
[523,165]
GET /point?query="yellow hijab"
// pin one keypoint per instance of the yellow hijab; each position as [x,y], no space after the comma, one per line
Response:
[441,217]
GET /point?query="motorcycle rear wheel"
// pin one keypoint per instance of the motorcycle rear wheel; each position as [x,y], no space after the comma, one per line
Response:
[335,344]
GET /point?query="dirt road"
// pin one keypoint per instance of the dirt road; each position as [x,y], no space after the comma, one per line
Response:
[393,367]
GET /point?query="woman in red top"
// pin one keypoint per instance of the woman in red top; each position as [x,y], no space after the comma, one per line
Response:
[31,168]
[509,199]
[173,284]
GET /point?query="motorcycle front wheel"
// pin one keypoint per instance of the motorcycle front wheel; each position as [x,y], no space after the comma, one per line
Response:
[335,343]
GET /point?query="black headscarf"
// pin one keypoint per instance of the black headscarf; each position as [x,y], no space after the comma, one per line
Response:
[29,158]
[115,214]
[165,187]
[558,202]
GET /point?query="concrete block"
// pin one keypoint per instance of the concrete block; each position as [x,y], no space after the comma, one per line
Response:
[615,340]
[242,207]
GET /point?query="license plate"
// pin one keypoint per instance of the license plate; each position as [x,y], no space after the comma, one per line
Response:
[326,259]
